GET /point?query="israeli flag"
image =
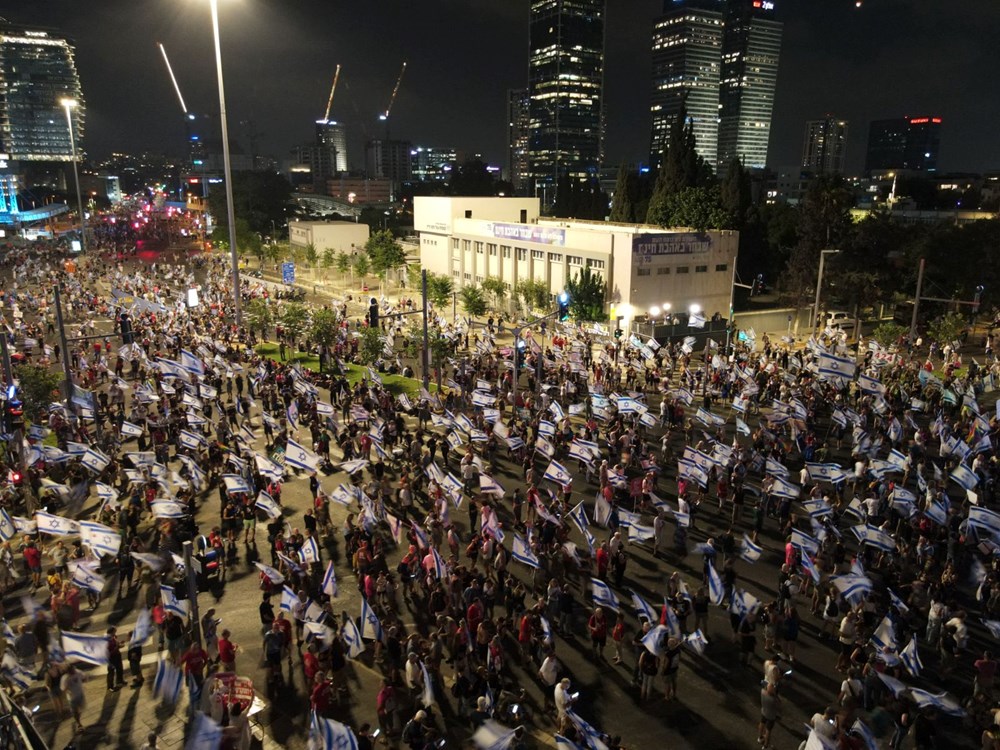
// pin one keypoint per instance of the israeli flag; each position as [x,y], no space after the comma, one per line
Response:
[885,634]
[750,551]
[273,575]
[546,428]
[370,625]
[101,539]
[235,484]
[643,608]
[171,603]
[836,367]
[48,523]
[910,658]
[742,427]
[328,734]
[310,551]
[301,457]
[151,561]
[603,595]
[783,488]
[206,734]
[268,468]
[744,604]
[91,649]
[983,518]
[330,581]
[772,466]
[352,637]
[579,517]
[825,473]
[293,412]
[131,430]
[190,440]
[483,400]
[493,736]
[95,460]
[422,539]
[191,363]
[7,528]
[706,417]
[870,385]
[653,640]
[874,537]
[351,467]
[964,477]
[942,702]
[696,641]
[557,473]
[994,627]
[715,588]
[545,447]
[809,545]
[521,552]
[489,485]
[168,682]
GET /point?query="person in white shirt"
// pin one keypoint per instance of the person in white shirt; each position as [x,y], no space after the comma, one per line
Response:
[564,701]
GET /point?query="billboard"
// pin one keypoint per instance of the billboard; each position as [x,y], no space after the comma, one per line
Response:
[540,235]
[680,243]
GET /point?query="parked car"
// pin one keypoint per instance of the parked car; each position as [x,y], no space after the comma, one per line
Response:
[839,319]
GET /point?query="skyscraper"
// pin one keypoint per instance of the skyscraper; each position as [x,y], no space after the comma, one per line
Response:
[518,121]
[751,46]
[331,136]
[687,55]
[37,70]
[565,91]
[432,164]
[904,143]
[824,146]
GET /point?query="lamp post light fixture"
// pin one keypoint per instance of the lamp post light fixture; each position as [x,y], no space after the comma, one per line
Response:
[226,166]
[69,105]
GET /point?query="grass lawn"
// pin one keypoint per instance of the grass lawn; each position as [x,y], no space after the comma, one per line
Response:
[395,384]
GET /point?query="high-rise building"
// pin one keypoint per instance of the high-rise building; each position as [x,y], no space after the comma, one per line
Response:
[751,47]
[331,136]
[430,164]
[389,160]
[904,143]
[824,146]
[37,71]
[565,92]
[518,139]
[687,56]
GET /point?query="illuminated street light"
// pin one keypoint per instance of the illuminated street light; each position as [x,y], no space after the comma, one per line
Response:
[69,105]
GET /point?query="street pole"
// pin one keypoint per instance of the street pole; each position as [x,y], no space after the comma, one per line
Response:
[67,370]
[227,167]
[68,104]
[732,299]
[916,302]
[819,285]
[192,584]
[426,353]
[517,338]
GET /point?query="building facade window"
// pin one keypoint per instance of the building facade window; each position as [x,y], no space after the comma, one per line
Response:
[701,269]
[479,248]
[595,263]
[683,269]
[574,260]
[721,266]
[555,257]
[664,271]
[505,252]
[492,249]
[642,271]
[522,253]
[538,255]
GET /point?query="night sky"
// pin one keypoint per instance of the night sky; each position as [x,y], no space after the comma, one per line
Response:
[886,59]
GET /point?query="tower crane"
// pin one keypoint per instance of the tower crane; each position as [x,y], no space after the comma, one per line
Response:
[333,89]
[384,117]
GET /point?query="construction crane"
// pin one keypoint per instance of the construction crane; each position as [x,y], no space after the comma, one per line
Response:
[333,89]
[173,80]
[385,115]
[188,118]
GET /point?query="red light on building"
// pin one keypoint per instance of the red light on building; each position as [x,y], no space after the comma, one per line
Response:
[757,3]
[936,120]
[919,120]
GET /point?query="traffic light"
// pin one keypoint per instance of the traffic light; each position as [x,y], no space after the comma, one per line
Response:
[618,333]
[519,348]
[563,301]
[125,326]
[976,300]
[15,412]
[758,285]
[373,313]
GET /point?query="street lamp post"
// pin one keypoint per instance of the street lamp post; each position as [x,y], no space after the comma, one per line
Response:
[68,105]
[226,166]
[819,285]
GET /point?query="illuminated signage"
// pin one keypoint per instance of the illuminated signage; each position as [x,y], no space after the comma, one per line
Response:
[687,243]
[763,4]
[528,233]
[924,120]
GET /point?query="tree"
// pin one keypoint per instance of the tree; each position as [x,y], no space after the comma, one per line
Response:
[473,300]
[38,387]
[372,346]
[736,194]
[887,334]
[293,316]
[439,289]
[311,255]
[946,329]
[496,289]
[329,258]
[385,252]
[621,203]
[533,294]
[258,315]
[680,167]
[362,265]
[343,263]
[699,208]
[586,295]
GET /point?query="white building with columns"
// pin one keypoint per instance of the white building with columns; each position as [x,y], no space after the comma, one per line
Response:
[647,268]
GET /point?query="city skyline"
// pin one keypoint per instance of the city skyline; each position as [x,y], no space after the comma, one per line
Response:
[456,87]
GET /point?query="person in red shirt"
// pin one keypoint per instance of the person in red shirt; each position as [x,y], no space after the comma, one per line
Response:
[322,695]
[603,559]
[285,626]
[598,625]
[385,707]
[310,665]
[194,660]
[474,615]
[227,652]
[33,562]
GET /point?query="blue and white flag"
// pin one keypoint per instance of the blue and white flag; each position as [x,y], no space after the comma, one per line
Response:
[653,640]
[866,734]
[351,467]
[836,367]
[267,504]
[910,658]
[95,460]
[92,649]
[696,320]
[773,466]
[744,603]
[750,551]
[48,523]
[870,385]
[557,473]
[826,473]
[167,683]
[268,468]
[101,539]
[715,588]
[742,427]
[984,518]
[328,734]
[603,595]
[273,574]
[994,627]
[7,528]
[427,697]
[521,552]
[171,603]
[884,636]
[707,418]
[370,625]
[288,599]
[191,363]
[206,734]
[131,430]
[330,581]
[489,485]
[643,608]
[810,567]
[235,484]
[964,477]
[190,440]
[942,702]
[423,541]
[310,551]
[492,736]
[809,545]
[783,488]
[875,537]
[301,457]
[696,641]
[591,737]
[352,637]
[143,628]
[293,413]
[579,517]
